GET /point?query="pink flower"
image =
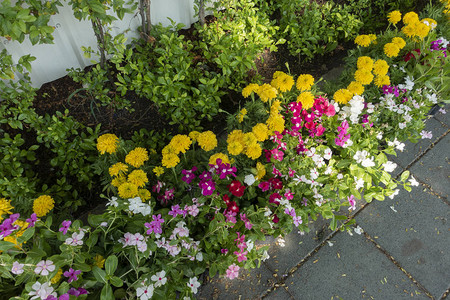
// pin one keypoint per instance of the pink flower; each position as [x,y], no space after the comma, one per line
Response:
[277,154]
[44,267]
[72,275]
[32,220]
[65,226]
[297,220]
[241,256]
[232,271]
[352,202]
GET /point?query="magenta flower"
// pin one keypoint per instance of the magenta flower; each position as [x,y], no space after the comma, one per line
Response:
[290,212]
[65,226]
[297,220]
[224,251]
[352,202]
[32,220]
[233,271]
[72,275]
[155,225]
[7,227]
[241,256]
[264,186]
[188,175]
[277,154]
[175,211]
[207,187]
[205,176]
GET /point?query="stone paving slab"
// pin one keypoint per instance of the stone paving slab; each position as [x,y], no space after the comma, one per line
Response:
[414,150]
[353,268]
[434,167]
[279,294]
[249,285]
[444,118]
[414,229]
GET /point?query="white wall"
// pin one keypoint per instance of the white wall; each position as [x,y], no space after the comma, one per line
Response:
[52,60]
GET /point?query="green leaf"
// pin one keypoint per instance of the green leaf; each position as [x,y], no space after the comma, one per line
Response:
[107,293]
[6,245]
[111,264]
[26,235]
[99,274]
[404,176]
[116,281]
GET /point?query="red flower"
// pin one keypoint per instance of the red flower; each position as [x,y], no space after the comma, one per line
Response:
[233,207]
[226,199]
[275,219]
[276,183]
[236,188]
[274,198]
[410,55]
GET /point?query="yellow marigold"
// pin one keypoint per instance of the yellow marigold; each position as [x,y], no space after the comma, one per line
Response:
[260,171]
[362,40]
[5,206]
[138,178]
[241,115]
[380,67]
[382,80]
[99,261]
[253,151]
[364,77]
[118,168]
[373,38]
[119,180]
[261,132]
[107,143]
[170,160]
[356,88]
[180,143]
[43,205]
[304,82]
[399,42]
[194,135]
[235,148]
[249,138]
[236,136]
[275,122]
[267,92]
[342,96]
[207,140]
[137,157]
[128,190]
[430,23]
[158,171]
[307,100]
[409,30]
[282,81]
[55,279]
[144,194]
[365,63]
[223,157]
[410,18]
[422,30]
[275,107]
[394,17]
[251,88]
[391,50]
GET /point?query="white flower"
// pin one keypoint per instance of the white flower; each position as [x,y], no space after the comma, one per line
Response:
[400,146]
[443,42]
[348,143]
[41,291]
[340,176]
[193,284]
[145,292]
[328,170]
[360,156]
[159,278]
[380,135]
[389,166]
[358,230]
[104,224]
[402,125]
[432,98]
[394,194]
[44,267]
[141,246]
[314,174]
[17,268]
[113,202]
[250,245]
[426,134]
[281,241]
[327,153]
[267,212]
[409,83]
[359,182]
[442,111]
[199,256]
[249,179]
[76,239]
[413,181]
[265,256]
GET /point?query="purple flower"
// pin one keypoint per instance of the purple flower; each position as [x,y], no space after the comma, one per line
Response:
[297,220]
[65,226]
[207,187]
[188,175]
[32,220]
[205,175]
[155,225]
[72,275]
[7,227]
[290,212]
[175,211]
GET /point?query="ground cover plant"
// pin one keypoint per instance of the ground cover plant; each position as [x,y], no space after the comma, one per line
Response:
[199,202]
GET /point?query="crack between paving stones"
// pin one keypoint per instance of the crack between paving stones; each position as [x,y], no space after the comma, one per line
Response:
[445,294]
[418,284]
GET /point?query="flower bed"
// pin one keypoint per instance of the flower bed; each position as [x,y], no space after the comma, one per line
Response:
[293,153]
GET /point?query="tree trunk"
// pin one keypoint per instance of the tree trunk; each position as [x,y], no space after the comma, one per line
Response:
[201,12]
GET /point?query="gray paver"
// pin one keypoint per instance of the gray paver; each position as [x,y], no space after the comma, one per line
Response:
[353,268]
[433,168]
[279,294]
[414,150]
[249,285]
[416,235]
[444,118]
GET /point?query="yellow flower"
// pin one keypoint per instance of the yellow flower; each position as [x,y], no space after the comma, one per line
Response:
[137,157]
[119,180]
[260,171]
[365,63]
[261,132]
[399,42]
[342,96]
[373,38]
[251,88]
[410,18]
[275,122]
[99,261]
[253,151]
[363,40]
[304,82]
[356,88]
[194,135]
[249,138]
[144,194]
[207,140]
[235,148]
[158,171]
[118,168]
[43,205]
[55,279]
[180,143]
[422,30]
[128,190]
[5,206]
[138,178]
[236,136]
[394,17]
[107,143]
[380,67]
[409,30]
[282,81]
[223,157]
[391,50]
[430,23]
[382,80]
[307,100]
[267,92]
[241,115]
[363,77]
[170,160]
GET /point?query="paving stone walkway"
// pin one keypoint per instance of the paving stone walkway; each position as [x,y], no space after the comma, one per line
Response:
[402,253]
